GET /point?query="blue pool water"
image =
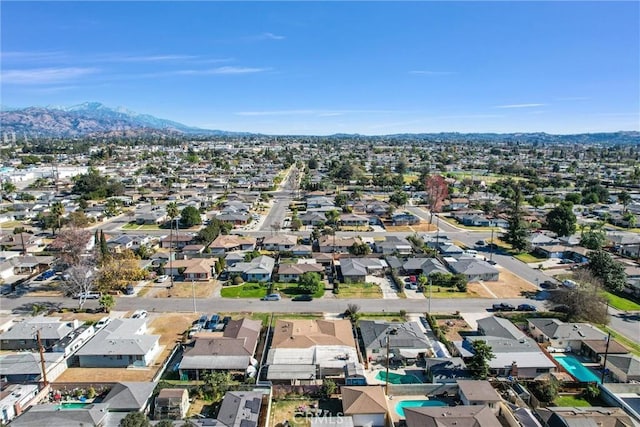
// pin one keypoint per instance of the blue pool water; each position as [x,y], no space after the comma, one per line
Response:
[577,369]
[397,378]
[72,405]
[416,404]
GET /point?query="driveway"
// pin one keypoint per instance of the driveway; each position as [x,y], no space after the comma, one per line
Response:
[389,290]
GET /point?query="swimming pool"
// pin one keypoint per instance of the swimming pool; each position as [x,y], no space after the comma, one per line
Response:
[397,378]
[577,369]
[72,405]
[416,404]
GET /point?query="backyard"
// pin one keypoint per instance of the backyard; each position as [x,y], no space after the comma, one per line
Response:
[297,411]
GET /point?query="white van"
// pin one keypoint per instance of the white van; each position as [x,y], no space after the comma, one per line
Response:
[470,252]
[569,284]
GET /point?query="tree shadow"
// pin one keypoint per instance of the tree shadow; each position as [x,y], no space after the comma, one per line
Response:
[37,307]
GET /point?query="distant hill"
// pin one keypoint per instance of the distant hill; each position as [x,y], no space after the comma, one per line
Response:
[90,119]
[96,119]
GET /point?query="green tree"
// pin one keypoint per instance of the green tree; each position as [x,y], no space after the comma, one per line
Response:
[190,216]
[107,302]
[216,384]
[575,198]
[57,212]
[593,239]
[517,234]
[172,211]
[359,249]
[399,198]
[165,423]
[135,419]
[545,390]
[537,200]
[625,198]
[104,249]
[561,219]
[112,207]
[329,388]
[309,283]
[608,270]
[478,364]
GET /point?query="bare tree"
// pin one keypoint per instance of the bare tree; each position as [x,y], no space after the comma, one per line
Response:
[72,244]
[585,302]
[437,191]
[79,282]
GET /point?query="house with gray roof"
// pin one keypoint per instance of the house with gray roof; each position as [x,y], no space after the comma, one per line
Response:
[459,416]
[258,269]
[356,269]
[242,408]
[129,396]
[393,245]
[24,367]
[563,335]
[475,269]
[120,344]
[22,335]
[516,354]
[50,415]
[624,367]
[407,342]
[426,266]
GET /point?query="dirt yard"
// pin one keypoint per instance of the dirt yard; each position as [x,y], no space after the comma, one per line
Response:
[182,290]
[509,286]
[169,326]
[423,227]
[452,327]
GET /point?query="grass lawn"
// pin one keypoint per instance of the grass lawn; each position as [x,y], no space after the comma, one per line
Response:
[464,227]
[571,401]
[387,317]
[134,226]
[291,290]
[246,290]
[437,292]
[528,258]
[359,290]
[621,303]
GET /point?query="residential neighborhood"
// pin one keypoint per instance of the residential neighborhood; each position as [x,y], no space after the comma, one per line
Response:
[261,282]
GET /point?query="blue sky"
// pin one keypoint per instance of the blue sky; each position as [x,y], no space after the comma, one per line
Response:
[330,67]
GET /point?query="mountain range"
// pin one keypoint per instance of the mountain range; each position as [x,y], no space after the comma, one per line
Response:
[90,119]
[93,119]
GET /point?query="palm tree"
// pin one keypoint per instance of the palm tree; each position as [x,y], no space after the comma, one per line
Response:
[172,212]
[625,198]
[57,212]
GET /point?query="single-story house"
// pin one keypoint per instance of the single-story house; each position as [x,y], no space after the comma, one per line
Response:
[476,416]
[357,269]
[280,242]
[120,344]
[563,335]
[624,367]
[198,269]
[407,341]
[258,269]
[22,335]
[292,272]
[225,243]
[475,269]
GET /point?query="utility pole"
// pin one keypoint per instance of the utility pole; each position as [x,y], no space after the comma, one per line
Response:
[41,351]
[491,246]
[606,351]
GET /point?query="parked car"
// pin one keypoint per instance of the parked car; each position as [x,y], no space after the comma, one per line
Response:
[129,290]
[303,297]
[87,295]
[526,307]
[213,322]
[194,330]
[103,322]
[46,275]
[271,297]
[226,320]
[548,284]
[162,278]
[139,314]
[503,307]
[202,321]
[481,243]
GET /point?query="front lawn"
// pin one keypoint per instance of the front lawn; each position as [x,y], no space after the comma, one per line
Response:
[246,290]
[528,258]
[291,290]
[621,303]
[359,290]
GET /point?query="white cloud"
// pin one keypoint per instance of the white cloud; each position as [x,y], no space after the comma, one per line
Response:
[220,70]
[532,105]
[271,36]
[45,75]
